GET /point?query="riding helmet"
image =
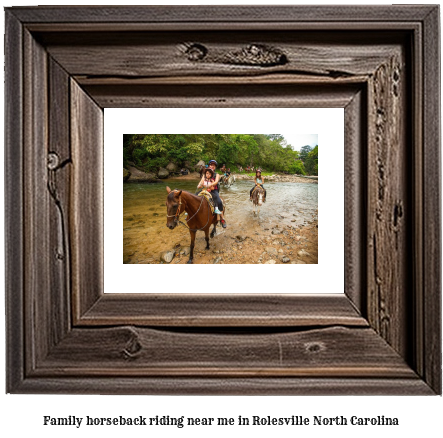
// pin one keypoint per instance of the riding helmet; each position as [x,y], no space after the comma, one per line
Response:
[213,161]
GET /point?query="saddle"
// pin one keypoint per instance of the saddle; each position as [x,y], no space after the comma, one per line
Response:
[208,197]
[256,188]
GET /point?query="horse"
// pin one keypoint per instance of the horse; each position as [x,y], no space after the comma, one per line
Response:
[257,198]
[229,180]
[200,217]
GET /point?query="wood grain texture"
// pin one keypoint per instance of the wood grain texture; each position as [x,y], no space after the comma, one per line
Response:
[223,14]
[388,204]
[222,53]
[86,209]
[226,96]
[226,386]
[202,310]
[384,340]
[37,257]
[14,238]
[59,166]
[129,351]
[417,357]
[431,316]
[355,187]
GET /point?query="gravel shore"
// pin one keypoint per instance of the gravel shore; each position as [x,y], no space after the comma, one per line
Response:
[272,178]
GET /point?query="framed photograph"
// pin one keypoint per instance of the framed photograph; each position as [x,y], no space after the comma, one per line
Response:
[375,329]
[283,230]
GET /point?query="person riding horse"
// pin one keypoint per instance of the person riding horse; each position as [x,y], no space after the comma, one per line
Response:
[226,175]
[208,179]
[214,186]
[259,181]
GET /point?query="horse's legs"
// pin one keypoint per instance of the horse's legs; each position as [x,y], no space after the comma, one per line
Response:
[213,231]
[191,256]
[207,238]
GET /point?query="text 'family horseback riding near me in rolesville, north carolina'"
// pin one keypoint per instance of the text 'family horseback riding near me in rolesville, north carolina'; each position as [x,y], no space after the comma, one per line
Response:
[254,420]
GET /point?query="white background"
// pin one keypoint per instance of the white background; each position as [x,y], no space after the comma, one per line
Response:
[328,123]
[22,414]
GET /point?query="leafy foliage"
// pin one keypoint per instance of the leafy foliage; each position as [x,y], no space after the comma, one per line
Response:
[268,151]
[297,168]
[304,151]
[311,162]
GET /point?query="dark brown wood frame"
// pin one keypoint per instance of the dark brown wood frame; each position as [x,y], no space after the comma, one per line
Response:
[64,65]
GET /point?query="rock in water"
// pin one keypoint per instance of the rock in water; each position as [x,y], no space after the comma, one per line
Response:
[167,256]
[163,173]
[136,175]
[126,174]
[217,260]
[302,253]
[270,262]
[172,167]
[240,237]
[285,259]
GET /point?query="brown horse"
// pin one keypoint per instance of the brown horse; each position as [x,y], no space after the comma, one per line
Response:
[200,216]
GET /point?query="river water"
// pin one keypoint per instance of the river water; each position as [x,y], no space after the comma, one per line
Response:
[145,235]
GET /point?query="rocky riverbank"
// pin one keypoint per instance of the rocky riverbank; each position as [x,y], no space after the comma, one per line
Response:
[279,245]
[282,178]
[134,174]
[273,178]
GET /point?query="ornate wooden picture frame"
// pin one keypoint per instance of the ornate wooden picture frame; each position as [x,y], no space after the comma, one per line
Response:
[65,64]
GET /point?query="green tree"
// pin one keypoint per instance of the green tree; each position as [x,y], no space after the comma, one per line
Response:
[304,151]
[151,151]
[297,167]
[311,162]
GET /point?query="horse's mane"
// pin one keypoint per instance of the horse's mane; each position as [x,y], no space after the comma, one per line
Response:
[192,194]
[171,195]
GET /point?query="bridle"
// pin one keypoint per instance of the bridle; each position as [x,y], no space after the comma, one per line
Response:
[176,216]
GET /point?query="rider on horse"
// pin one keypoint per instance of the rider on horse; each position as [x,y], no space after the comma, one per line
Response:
[226,175]
[214,185]
[259,181]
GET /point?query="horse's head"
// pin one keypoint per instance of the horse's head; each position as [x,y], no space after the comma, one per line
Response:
[260,195]
[257,196]
[173,207]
